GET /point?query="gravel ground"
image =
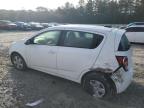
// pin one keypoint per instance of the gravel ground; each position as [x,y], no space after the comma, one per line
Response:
[18,88]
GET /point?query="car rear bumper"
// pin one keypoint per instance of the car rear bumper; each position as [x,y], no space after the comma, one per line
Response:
[122,79]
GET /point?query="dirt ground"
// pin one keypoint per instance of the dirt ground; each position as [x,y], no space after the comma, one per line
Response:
[18,88]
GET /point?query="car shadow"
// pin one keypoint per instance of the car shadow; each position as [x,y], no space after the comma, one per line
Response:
[31,85]
[133,97]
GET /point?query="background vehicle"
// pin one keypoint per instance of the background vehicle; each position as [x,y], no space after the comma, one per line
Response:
[7,25]
[45,25]
[23,26]
[79,53]
[135,23]
[53,24]
[36,26]
[135,33]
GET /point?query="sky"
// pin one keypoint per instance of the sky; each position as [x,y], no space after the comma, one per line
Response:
[32,4]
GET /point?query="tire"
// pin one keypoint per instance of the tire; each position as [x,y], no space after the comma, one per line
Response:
[97,85]
[18,62]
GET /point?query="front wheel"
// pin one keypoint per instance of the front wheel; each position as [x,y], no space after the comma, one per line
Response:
[97,85]
[18,61]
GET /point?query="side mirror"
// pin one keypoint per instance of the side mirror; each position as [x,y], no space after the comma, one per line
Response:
[28,42]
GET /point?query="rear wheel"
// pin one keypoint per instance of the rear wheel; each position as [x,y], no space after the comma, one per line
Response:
[97,85]
[18,61]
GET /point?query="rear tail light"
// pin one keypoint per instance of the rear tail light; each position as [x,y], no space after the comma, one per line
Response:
[123,61]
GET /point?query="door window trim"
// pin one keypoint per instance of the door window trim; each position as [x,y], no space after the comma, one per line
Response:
[63,35]
[58,43]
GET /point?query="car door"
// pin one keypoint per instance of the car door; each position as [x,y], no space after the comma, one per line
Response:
[78,52]
[139,34]
[130,33]
[42,54]
[135,34]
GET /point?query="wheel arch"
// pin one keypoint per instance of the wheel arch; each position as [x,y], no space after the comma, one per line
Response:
[15,52]
[106,75]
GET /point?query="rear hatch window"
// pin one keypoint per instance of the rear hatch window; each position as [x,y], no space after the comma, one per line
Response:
[124,44]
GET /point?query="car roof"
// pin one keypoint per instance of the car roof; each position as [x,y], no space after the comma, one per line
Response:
[93,28]
[85,28]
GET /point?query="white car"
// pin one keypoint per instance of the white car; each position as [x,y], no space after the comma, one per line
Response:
[135,23]
[135,33]
[97,57]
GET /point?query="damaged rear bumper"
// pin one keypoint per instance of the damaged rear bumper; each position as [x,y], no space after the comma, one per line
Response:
[122,79]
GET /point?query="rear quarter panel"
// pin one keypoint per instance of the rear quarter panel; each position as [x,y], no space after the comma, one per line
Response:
[107,60]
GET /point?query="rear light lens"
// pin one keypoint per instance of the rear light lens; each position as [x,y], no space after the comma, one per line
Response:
[123,61]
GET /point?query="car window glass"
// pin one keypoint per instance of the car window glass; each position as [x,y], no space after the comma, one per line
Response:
[124,44]
[135,29]
[48,38]
[81,40]
[139,23]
